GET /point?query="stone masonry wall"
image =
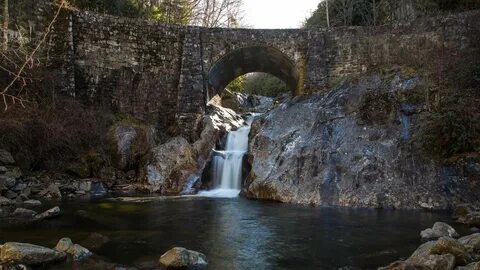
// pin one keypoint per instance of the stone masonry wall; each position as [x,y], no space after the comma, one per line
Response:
[129,65]
[159,72]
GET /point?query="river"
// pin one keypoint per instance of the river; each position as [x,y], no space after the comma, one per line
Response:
[235,233]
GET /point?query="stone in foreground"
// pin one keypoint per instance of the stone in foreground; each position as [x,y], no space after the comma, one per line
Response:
[423,257]
[24,213]
[50,213]
[13,252]
[78,252]
[182,258]
[438,230]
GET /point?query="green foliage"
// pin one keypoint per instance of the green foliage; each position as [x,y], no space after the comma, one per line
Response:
[237,85]
[264,84]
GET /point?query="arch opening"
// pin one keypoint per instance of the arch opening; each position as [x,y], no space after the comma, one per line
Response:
[252,59]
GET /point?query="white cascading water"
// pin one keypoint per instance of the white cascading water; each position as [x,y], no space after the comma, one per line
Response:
[227,165]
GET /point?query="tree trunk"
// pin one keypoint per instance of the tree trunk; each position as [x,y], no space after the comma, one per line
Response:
[5,25]
[328,14]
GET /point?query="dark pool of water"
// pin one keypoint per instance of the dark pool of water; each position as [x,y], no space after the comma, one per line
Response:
[236,233]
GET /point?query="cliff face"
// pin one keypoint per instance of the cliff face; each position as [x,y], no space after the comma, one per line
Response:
[352,146]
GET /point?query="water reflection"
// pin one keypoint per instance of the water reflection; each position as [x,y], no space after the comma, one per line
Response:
[236,233]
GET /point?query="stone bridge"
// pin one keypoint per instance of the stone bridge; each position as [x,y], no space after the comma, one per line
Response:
[165,74]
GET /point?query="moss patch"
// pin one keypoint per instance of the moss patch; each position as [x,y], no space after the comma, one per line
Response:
[378,107]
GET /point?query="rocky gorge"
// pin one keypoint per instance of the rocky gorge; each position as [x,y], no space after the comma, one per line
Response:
[355,146]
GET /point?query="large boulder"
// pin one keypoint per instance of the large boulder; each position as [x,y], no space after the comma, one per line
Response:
[216,124]
[472,266]
[6,158]
[438,230]
[131,141]
[423,257]
[467,214]
[7,181]
[172,165]
[448,245]
[182,258]
[402,265]
[472,243]
[351,147]
[29,254]
[78,252]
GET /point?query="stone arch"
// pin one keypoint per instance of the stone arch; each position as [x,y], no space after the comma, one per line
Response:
[252,59]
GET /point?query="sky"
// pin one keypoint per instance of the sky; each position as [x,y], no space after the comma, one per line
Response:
[277,13]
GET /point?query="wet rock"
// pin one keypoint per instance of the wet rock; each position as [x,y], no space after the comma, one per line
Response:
[448,245]
[132,141]
[402,265]
[52,191]
[467,214]
[24,213]
[323,149]
[32,203]
[7,181]
[6,158]
[181,258]
[10,194]
[438,230]
[423,257]
[472,266]
[29,254]
[3,169]
[78,252]
[64,244]
[462,210]
[472,244]
[172,165]
[21,198]
[6,202]
[95,241]
[50,213]
[237,102]
[14,172]
[14,267]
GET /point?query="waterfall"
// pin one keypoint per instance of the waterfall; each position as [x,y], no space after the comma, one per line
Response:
[227,165]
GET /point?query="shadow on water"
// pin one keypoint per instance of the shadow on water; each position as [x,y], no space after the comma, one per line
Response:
[235,233]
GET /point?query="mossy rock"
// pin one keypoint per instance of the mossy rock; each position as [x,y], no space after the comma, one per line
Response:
[377,107]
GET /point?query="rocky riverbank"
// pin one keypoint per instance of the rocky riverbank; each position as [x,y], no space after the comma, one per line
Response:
[443,249]
[355,146]
[14,255]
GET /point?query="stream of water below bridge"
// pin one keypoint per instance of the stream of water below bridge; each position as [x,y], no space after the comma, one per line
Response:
[235,233]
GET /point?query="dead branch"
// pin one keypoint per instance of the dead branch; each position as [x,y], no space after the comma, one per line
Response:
[29,61]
